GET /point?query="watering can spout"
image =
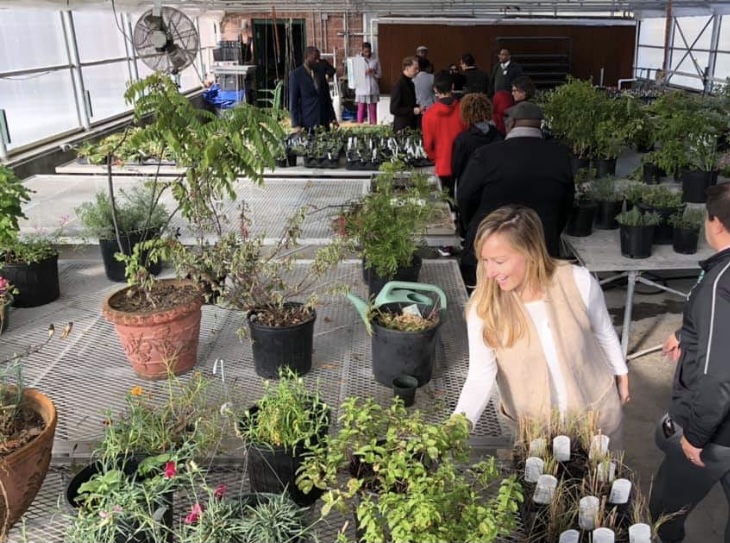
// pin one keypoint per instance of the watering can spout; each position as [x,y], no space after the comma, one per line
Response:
[360,305]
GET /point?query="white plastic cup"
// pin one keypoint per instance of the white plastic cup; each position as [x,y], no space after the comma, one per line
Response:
[640,533]
[620,491]
[569,536]
[603,535]
[561,448]
[534,467]
[599,445]
[606,472]
[588,512]
[545,489]
[537,447]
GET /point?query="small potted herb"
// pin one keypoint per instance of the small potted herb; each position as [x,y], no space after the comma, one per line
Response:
[580,222]
[687,226]
[637,232]
[280,430]
[608,201]
[665,201]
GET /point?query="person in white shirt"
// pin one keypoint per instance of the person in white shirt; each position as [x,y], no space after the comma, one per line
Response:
[367,92]
[539,327]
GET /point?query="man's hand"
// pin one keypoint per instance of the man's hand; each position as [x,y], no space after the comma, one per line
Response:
[691,452]
[622,384]
[369,71]
[671,348]
[416,110]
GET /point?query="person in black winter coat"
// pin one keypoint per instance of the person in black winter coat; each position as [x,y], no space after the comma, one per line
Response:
[476,112]
[403,104]
[475,80]
[695,433]
[523,169]
[310,103]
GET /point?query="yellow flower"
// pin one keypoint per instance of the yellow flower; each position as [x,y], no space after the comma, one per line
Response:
[136,391]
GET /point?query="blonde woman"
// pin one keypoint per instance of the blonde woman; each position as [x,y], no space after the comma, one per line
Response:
[540,328]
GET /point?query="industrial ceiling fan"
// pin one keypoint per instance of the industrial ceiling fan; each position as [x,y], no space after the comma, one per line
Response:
[166,39]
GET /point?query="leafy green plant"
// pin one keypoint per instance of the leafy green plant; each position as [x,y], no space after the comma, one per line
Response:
[635,217]
[31,248]
[288,415]
[13,194]
[406,478]
[573,123]
[612,131]
[691,219]
[605,190]
[389,223]
[138,210]
[659,196]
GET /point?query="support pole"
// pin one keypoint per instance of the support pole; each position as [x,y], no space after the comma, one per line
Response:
[667,37]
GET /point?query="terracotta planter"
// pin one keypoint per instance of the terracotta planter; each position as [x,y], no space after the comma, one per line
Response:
[158,342]
[22,472]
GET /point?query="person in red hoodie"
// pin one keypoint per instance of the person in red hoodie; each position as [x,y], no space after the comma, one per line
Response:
[441,124]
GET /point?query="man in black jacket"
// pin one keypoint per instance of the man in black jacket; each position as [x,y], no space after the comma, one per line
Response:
[523,169]
[475,80]
[505,72]
[695,434]
[403,104]
[310,103]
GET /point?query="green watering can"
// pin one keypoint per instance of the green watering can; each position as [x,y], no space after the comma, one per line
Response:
[403,292]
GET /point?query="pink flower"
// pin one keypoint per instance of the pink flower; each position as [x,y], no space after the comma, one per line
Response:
[4,285]
[220,491]
[170,470]
[194,515]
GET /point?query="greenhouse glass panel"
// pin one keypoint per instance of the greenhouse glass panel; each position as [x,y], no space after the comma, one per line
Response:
[98,36]
[38,107]
[31,39]
[106,84]
[688,82]
[691,28]
[190,78]
[724,43]
[722,67]
[649,57]
[652,32]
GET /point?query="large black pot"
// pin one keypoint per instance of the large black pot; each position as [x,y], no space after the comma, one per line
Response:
[276,347]
[664,231]
[651,173]
[580,222]
[579,163]
[274,469]
[604,167]
[606,212]
[397,353]
[636,241]
[37,283]
[685,240]
[376,283]
[113,268]
[694,184]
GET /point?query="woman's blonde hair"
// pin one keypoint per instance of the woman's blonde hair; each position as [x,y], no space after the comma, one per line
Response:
[501,312]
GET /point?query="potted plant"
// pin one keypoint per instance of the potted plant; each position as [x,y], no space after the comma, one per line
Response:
[611,132]
[609,201]
[701,171]
[580,222]
[139,216]
[687,226]
[30,262]
[665,201]
[674,118]
[637,232]
[388,225]
[280,430]
[27,428]
[6,301]
[404,472]
[279,308]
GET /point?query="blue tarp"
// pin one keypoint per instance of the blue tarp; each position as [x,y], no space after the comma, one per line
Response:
[223,99]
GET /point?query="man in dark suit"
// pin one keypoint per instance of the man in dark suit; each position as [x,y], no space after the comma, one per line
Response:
[505,72]
[475,80]
[403,104]
[523,169]
[310,103]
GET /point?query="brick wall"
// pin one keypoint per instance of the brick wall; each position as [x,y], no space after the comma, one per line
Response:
[323,30]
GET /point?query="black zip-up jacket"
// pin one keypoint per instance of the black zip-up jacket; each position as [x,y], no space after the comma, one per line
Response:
[466,143]
[701,391]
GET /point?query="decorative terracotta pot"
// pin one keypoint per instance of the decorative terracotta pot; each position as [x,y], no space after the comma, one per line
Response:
[22,472]
[161,341]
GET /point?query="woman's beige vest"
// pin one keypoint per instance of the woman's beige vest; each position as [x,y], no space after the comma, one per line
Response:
[523,376]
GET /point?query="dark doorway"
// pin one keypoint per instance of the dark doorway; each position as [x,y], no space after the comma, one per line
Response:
[278,49]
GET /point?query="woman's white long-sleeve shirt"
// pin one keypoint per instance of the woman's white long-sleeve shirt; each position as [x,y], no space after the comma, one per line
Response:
[483,362]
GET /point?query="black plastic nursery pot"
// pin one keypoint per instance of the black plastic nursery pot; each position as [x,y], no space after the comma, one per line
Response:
[113,268]
[404,387]
[606,212]
[636,241]
[651,173]
[604,167]
[397,353]
[37,283]
[276,347]
[694,183]
[274,469]
[663,232]
[580,222]
[685,240]
[579,163]
[376,283]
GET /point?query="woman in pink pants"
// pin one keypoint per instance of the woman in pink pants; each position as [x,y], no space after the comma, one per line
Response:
[367,92]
